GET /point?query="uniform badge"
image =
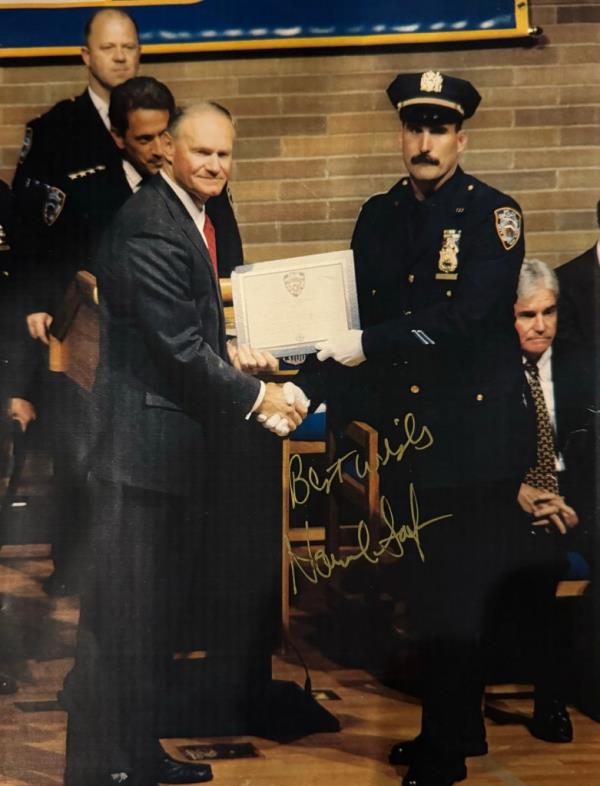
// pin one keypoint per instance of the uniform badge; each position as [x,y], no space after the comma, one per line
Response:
[294,283]
[432,82]
[448,259]
[27,142]
[55,201]
[508,226]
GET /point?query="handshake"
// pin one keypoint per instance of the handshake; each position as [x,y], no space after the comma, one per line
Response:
[283,408]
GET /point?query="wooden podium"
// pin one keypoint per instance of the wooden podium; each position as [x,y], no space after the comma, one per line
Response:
[75,332]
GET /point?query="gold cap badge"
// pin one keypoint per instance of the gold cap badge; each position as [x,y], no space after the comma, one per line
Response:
[432,82]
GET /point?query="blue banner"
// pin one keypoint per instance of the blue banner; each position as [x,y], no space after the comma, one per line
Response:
[49,27]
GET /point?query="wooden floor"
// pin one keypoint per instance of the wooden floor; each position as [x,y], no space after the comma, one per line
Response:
[372,716]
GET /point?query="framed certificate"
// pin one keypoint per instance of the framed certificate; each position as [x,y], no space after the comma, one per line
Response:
[289,305]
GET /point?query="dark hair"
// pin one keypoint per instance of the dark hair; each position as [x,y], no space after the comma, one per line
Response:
[598,213]
[87,29]
[141,92]
[201,106]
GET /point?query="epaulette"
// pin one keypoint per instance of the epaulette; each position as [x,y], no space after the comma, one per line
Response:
[85,172]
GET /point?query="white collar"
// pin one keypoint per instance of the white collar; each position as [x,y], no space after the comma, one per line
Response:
[544,362]
[197,214]
[133,177]
[101,106]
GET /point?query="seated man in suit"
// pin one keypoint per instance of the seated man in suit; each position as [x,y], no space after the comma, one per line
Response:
[167,475]
[550,494]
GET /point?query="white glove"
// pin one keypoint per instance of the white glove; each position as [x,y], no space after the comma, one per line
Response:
[276,423]
[345,347]
[294,395]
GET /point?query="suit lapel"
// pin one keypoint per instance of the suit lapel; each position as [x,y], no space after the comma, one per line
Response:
[184,221]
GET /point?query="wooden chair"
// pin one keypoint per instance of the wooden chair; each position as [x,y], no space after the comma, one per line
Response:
[362,494]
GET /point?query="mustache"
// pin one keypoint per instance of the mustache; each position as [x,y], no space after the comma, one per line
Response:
[424,158]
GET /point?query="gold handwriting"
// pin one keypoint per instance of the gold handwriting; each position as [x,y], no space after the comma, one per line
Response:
[318,564]
[303,483]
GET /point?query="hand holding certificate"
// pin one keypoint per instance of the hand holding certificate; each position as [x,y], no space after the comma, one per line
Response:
[288,306]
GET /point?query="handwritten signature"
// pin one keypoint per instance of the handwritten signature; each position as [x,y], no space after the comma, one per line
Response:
[320,565]
[302,484]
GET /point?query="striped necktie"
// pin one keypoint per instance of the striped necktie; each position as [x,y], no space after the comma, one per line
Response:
[543,474]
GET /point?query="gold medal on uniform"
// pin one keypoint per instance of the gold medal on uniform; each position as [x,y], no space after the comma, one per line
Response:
[448,260]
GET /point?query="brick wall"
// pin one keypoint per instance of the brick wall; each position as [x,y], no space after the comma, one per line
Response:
[316,135]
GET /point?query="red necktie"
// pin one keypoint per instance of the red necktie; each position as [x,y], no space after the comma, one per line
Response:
[211,242]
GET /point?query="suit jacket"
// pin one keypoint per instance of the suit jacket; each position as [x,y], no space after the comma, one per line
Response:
[579,296]
[165,388]
[441,345]
[576,421]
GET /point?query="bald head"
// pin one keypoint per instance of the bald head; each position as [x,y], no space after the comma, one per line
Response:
[111,52]
[199,150]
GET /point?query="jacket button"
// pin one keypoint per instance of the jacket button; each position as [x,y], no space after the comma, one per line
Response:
[479,397]
[411,278]
[448,293]
[415,389]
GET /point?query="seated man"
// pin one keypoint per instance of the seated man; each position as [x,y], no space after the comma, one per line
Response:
[556,372]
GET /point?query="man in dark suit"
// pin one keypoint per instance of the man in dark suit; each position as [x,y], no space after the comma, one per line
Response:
[437,260]
[580,294]
[555,493]
[579,322]
[172,414]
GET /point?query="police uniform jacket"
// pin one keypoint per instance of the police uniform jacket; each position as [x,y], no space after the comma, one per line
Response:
[436,286]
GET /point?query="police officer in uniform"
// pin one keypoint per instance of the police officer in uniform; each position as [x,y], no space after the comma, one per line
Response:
[437,262]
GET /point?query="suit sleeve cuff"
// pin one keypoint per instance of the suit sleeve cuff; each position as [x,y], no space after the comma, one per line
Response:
[259,399]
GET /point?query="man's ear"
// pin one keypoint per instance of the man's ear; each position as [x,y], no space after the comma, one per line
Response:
[462,138]
[119,141]
[168,146]
[85,55]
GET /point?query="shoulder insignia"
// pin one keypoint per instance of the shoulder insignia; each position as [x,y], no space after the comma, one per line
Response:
[86,172]
[55,201]
[27,142]
[508,226]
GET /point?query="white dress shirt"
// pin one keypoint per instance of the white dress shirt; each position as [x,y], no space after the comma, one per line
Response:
[102,107]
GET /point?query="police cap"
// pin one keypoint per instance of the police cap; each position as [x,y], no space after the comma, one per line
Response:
[433,98]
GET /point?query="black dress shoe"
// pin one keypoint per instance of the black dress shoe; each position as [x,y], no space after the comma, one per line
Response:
[406,753]
[7,684]
[435,774]
[551,722]
[171,771]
